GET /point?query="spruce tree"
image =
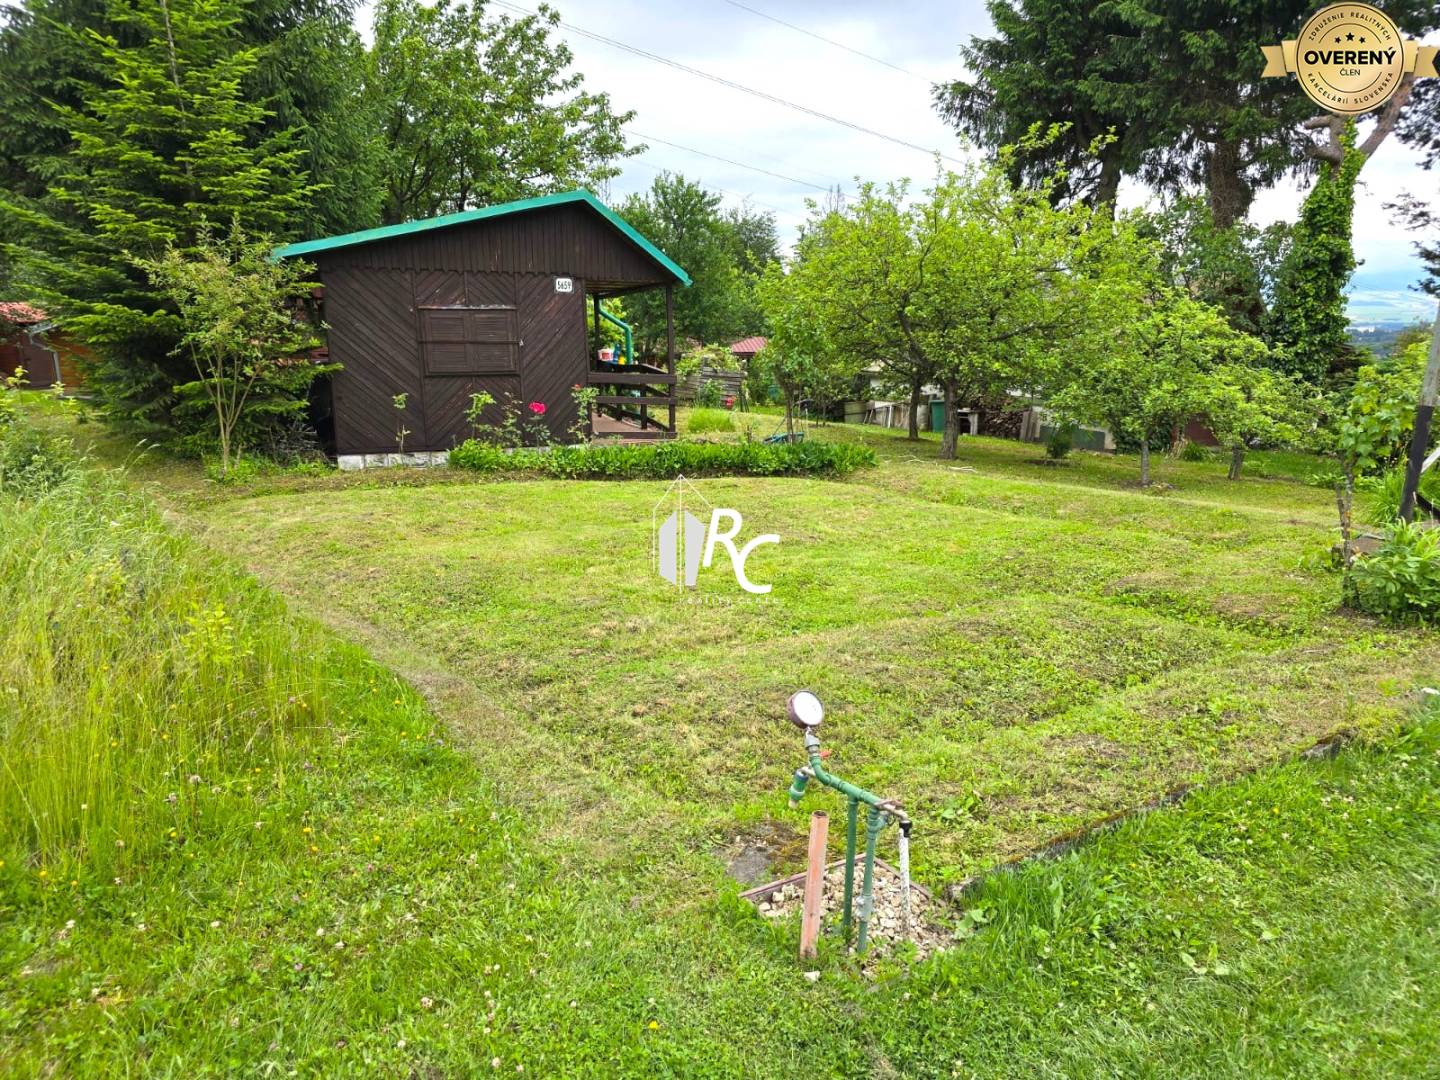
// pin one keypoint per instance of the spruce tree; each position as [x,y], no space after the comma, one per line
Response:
[165,142]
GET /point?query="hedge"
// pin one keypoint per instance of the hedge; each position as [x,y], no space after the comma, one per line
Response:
[663,461]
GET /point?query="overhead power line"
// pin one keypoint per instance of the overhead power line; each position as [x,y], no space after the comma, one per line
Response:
[728,161]
[826,40]
[740,195]
[761,94]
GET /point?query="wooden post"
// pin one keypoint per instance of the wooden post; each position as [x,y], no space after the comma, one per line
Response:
[592,363]
[1420,438]
[814,884]
[670,347]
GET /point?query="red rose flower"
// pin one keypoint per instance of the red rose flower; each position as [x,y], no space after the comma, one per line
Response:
[538,408]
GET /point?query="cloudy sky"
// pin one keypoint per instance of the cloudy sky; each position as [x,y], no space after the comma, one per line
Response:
[785,156]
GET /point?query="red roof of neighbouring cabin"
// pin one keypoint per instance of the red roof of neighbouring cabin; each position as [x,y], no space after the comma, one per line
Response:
[20,313]
[748,346]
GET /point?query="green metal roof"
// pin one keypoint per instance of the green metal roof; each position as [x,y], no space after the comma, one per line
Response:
[367,236]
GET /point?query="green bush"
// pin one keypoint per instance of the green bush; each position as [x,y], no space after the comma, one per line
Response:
[32,462]
[1060,442]
[709,395]
[1193,451]
[1401,581]
[1382,494]
[664,461]
[704,420]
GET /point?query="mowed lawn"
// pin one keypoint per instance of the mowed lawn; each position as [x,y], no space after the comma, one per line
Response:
[1012,649]
[525,869]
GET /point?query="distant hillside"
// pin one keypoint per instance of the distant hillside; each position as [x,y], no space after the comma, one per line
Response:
[1380,337]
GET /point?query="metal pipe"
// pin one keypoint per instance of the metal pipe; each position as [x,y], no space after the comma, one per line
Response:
[817,770]
[625,329]
[905,876]
[874,821]
[853,808]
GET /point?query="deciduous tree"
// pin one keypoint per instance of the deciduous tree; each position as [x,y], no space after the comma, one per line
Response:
[241,331]
[686,222]
[474,109]
[1150,378]
[1245,404]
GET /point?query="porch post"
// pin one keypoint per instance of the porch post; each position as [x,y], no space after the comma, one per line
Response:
[670,347]
[592,358]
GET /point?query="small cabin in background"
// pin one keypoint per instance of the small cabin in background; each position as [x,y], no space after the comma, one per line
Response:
[485,301]
[30,340]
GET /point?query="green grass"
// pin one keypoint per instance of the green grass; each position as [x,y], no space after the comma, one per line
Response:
[1015,649]
[704,421]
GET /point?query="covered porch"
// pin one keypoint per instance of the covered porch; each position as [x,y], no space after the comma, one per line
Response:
[635,400]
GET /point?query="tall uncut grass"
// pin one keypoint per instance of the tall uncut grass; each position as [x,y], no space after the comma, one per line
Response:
[143,683]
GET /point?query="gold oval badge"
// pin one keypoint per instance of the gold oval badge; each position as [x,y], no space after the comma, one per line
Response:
[1350,58]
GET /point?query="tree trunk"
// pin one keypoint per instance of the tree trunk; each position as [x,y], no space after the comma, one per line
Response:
[952,423]
[1107,186]
[1237,461]
[1230,195]
[1144,462]
[915,388]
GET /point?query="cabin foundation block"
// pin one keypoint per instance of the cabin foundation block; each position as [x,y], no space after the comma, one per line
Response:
[420,460]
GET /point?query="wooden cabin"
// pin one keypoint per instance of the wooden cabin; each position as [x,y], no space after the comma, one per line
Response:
[31,343]
[490,300]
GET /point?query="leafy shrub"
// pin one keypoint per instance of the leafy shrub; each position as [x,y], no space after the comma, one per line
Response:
[1375,428]
[703,420]
[1193,451]
[1401,581]
[1382,494]
[1060,442]
[664,461]
[32,462]
[708,395]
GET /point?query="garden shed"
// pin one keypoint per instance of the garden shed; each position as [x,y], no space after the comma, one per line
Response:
[486,301]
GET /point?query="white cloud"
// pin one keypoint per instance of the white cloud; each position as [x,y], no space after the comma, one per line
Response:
[722,38]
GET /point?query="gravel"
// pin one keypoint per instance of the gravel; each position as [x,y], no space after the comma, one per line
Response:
[887,922]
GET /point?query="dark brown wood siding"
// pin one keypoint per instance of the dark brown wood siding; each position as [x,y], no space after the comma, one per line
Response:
[381,301]
[570,239]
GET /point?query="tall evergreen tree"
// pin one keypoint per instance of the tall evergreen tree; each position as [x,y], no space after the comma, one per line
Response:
[1179,83]
[166,141]
[309,71]
[1051,61]
[1308,322]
